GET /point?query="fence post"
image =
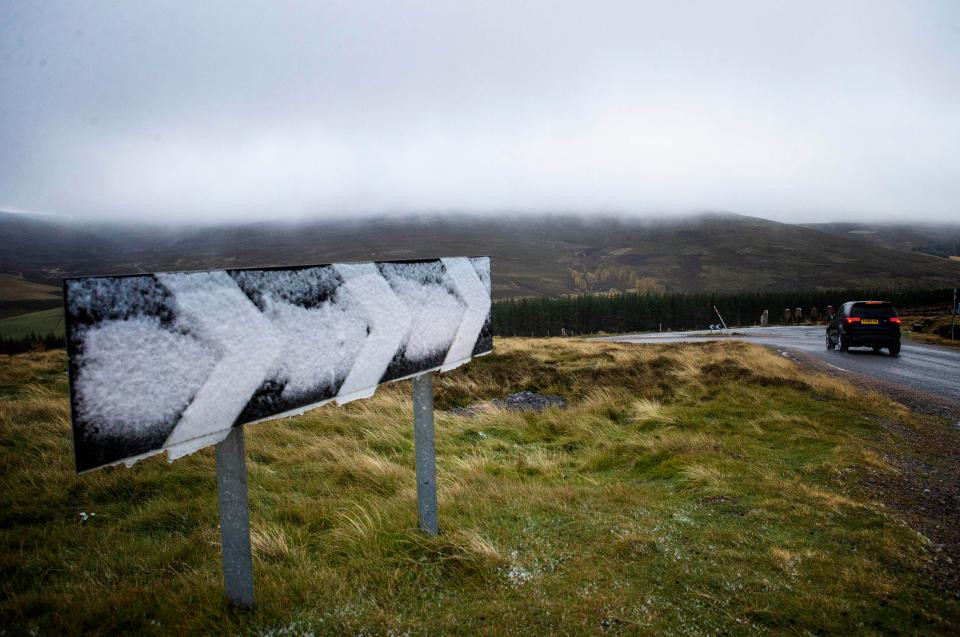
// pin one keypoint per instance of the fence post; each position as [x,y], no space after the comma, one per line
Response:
[426,453]
[234,519]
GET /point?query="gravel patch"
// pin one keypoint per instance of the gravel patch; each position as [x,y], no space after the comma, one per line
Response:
[520,401]
[528,401]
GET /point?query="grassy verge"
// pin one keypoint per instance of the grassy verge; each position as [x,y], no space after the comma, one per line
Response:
[688,489]
[936,329]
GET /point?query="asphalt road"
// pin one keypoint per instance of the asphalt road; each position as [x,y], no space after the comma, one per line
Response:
[924,368]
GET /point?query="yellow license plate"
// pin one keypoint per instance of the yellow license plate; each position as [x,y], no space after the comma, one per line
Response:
[870,322]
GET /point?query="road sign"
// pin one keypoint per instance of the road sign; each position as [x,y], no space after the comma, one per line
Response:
[171,361]
[179,361]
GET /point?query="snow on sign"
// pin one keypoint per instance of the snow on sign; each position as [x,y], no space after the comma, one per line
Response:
[171,361]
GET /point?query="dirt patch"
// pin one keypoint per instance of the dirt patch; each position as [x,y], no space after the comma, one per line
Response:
[528,401]
[926,493]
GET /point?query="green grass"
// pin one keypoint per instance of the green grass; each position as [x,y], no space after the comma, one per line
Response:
[696,489]
[39,323]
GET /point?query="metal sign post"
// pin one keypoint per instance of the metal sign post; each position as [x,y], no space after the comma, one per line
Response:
[721,320]
[953,319]
[235,519]
[426,452]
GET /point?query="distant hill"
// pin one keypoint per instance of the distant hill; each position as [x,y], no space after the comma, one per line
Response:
[533,255]
[16,288]
[942,240]
[19,296]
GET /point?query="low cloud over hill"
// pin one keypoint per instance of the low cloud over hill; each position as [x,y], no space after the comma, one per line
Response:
[532,256]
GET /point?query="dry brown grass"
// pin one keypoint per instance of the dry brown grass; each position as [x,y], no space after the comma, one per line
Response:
[15,288]
[703,475]
[647,410]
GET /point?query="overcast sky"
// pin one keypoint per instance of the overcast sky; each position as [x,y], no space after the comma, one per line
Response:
[214,110]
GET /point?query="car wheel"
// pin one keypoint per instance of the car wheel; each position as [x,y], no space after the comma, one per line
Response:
[842,344]
[894,349]
[829,341]
[876,349]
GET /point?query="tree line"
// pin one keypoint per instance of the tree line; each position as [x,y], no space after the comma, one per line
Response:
[635,312]
[29,343]
[647,311]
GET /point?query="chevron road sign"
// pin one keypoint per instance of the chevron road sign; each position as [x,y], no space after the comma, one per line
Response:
[171,361]
[179,361]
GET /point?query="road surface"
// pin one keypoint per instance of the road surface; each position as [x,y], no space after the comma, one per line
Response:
[924,368]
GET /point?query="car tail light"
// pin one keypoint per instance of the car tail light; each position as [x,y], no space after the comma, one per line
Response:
[895,319]
[853,319]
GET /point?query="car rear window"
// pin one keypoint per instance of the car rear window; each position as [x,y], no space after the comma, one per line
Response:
[878,310]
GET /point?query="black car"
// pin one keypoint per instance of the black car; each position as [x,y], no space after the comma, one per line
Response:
[865,324]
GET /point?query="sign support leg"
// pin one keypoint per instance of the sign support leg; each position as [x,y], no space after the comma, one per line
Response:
[234,519]
[426,452]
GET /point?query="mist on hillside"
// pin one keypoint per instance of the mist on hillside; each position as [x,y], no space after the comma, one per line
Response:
[542,255]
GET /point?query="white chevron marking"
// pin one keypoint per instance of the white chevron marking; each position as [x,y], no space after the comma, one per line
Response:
[218,312]
[468,285]
[388,321]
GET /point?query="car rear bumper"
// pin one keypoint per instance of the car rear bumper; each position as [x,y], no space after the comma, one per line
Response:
[867,339]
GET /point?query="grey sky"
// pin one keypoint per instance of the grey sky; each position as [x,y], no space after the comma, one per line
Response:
[208,110]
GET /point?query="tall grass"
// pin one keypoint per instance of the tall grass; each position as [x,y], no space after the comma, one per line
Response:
[691,489]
